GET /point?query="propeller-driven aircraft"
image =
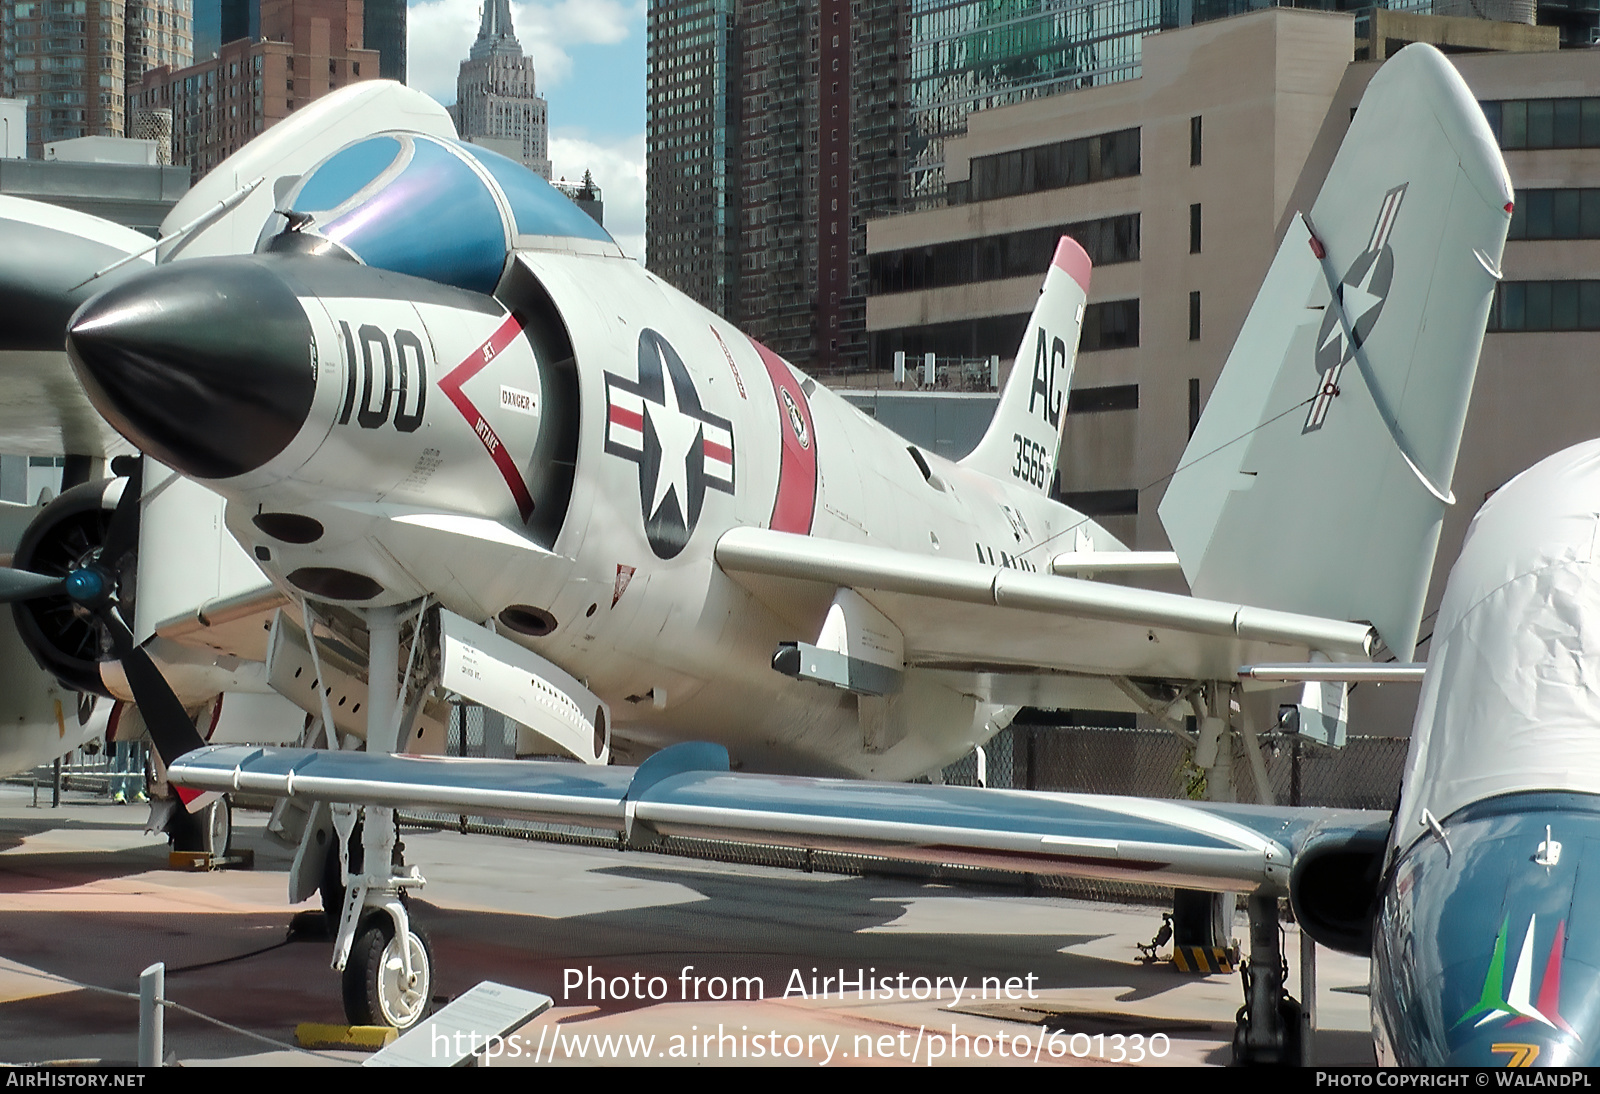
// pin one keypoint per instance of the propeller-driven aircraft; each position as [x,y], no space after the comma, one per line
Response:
[475,450]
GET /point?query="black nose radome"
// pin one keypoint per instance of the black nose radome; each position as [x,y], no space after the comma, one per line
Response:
[208,365]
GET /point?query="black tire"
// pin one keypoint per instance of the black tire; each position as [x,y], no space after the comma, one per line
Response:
[1294,1029]
[373,994]
[210,830]
[1290,1052]
[1202,919]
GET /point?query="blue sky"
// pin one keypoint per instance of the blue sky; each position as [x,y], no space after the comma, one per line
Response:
[589,57]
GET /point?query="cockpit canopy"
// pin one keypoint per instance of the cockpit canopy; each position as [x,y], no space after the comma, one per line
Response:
[439,209]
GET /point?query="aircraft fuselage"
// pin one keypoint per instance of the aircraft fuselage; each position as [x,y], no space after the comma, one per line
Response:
[611,430]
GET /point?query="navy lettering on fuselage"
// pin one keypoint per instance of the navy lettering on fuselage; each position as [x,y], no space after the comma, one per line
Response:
[989,556]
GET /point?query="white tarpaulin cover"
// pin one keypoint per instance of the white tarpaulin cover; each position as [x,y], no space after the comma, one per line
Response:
[1511,700]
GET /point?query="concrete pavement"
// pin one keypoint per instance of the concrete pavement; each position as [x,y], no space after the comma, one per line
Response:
[632,946]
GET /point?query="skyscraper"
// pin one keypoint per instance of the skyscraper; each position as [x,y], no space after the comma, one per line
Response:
[69,67]
[968,55]
[8,51]
[307,48]
[775,131]
[692,101]
[159,32]
[237,19]
[384,29]
[496,96]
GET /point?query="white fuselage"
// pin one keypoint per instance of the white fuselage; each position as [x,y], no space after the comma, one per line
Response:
[715,433]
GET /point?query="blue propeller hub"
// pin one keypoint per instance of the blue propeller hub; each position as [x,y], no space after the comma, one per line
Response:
[86,585]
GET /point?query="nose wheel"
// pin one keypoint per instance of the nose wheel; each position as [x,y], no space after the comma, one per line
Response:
[383,986]
[384,959]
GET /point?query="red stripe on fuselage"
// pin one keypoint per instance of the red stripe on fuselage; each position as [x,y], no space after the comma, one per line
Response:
[506,333]
[795,505]
[630,418]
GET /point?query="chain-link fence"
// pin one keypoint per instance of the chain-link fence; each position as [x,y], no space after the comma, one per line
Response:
[1364,774]
[1152,763]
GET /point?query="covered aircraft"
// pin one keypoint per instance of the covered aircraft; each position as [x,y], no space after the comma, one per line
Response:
[474,449]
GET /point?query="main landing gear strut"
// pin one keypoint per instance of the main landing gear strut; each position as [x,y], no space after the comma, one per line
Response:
[1270,1027]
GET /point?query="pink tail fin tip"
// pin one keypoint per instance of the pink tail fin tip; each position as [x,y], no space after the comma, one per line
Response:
[1072,258]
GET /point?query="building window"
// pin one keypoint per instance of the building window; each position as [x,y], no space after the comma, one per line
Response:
[1194,404]
[1194,141]
[1545,306]
[1014,254]
[1095,400]
[1556,214]
[1194,317]
[1545,123]
[1194,228]
[1053,166]
[1110,324]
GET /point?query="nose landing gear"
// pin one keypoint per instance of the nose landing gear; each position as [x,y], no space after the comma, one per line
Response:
[386,981]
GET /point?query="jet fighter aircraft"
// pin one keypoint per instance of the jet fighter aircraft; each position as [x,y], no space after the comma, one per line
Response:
[1474,899]
[475,449]
[435,378]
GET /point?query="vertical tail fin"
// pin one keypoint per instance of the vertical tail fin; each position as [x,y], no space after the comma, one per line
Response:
[1318,476]
[1024,439]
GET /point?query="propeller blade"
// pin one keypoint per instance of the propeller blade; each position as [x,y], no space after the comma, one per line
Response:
[23,585]
[171,730]
[123,534]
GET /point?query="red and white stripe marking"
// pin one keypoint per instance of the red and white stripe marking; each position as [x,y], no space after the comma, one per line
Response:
[625,421]
[625,430]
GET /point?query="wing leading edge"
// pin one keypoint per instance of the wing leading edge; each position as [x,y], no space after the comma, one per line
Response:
[987,620]
[687,790]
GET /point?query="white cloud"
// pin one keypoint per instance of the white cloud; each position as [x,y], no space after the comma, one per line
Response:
[441,31]
[618,169]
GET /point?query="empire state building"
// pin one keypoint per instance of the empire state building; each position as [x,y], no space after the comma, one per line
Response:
[496,101]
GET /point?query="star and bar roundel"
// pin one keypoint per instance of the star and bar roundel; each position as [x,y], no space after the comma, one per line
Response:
[682,449]
[1362,292]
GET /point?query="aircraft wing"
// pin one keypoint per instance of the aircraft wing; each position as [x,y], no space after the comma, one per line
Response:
[47,259]
[999,626]
[687,790]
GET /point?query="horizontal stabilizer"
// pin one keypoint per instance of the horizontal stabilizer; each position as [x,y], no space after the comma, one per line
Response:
[1317,478]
